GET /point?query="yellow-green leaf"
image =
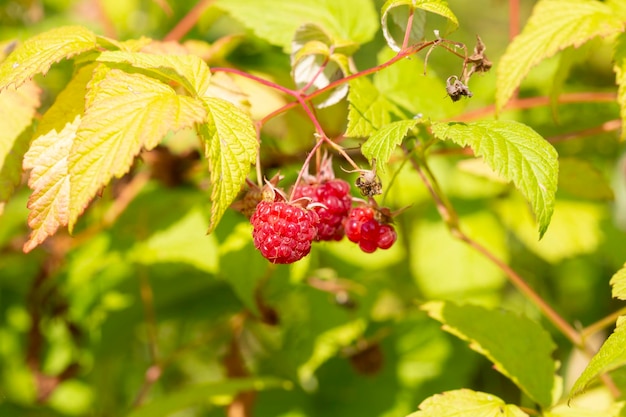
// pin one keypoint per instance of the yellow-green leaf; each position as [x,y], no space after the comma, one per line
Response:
[231,147]
[380,145]
[611,355]
[188,70]
[47,157]
[17,108]
[49,204]
[618,282]
[128,112]
[466,403]
[554,25]
[37,54]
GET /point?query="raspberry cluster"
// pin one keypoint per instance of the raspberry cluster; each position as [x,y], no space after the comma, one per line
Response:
[334,203]
[321,209]
[364,229]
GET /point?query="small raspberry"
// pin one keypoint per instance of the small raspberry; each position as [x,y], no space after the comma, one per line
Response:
[334,197]
[365,227]
[283,232]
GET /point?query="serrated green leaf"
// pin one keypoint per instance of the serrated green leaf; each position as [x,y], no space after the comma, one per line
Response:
[198,394]
[276,20]
[510,341]
[619,66]
[368,109]
[611,356]
[466,403]
[579,178]
[618,282]
[422,95]
[37,54]
[47,157]
[554,25]
[128,112]
[517,153]
[17,109]
[231,148]
[380,145]
[187,70]
[395,15]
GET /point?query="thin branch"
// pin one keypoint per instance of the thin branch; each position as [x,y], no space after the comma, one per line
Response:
[602,324]
[605,127]
[188,22]
[409,26]
[533,102]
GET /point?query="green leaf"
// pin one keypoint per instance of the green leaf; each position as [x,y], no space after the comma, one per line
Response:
[48,158]
[17,109]
[380,145]
[466,403]
[128,112]
[200,393]
[190,71]
[619,66]
[510,341]
[618,282]
[276,20]
[231,147]
[611,355]
[368,109]
[395,15]
[37,54]
[554,25]
[517,153]
[579,178]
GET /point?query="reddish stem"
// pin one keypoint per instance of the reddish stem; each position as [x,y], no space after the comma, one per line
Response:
[514,18]
[187,22]
[407,32]
[532,102]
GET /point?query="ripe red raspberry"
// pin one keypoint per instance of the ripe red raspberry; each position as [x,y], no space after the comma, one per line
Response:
[334,195]
[364,228]
[283,232]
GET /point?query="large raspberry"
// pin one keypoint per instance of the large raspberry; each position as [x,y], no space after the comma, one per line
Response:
[364,228]
[334,197]
[283,232]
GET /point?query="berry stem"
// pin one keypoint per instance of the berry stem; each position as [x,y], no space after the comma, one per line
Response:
[305,165]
